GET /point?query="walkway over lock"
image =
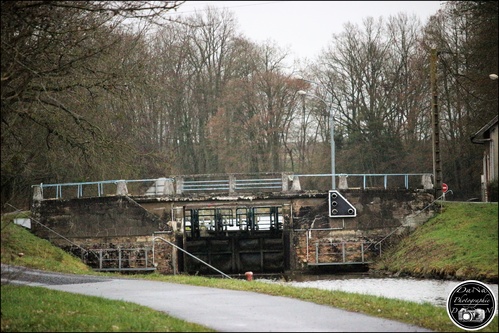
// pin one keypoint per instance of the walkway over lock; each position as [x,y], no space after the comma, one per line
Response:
[183,185]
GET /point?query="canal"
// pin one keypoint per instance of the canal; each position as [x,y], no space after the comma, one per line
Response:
[431,291]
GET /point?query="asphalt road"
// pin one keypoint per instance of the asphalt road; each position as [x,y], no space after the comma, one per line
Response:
[219,309]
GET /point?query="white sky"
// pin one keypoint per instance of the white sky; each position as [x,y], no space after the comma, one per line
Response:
[306,27]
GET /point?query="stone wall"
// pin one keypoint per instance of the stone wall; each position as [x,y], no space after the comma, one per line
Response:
[382,215]
[122,222]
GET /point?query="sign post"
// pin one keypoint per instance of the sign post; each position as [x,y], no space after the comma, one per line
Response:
[445,188]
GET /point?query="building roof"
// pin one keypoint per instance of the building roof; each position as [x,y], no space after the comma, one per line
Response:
[478,137]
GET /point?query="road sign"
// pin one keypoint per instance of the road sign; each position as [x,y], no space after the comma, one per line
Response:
[444,187]
[339,206]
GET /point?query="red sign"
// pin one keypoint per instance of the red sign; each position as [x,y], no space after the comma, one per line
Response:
[444,187]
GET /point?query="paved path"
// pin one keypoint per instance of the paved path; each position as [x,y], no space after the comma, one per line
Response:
[220,309]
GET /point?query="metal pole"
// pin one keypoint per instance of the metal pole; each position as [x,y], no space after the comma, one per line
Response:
[331,125]
[333,158]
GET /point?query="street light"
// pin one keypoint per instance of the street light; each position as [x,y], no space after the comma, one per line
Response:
[331,125]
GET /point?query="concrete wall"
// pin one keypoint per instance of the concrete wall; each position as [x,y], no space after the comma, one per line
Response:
[97,217]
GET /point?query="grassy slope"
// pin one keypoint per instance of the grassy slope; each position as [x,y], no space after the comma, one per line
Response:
[20,247]
[459,243]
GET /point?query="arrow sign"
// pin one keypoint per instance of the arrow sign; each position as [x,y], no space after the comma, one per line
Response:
[444,187]
[339,206]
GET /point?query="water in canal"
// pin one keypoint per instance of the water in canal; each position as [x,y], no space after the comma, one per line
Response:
[408,289]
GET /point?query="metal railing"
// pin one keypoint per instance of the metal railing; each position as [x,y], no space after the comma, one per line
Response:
[225,183]
[124,259]
[327,252]
[374,180]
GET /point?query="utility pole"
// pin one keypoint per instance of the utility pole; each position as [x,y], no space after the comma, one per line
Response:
[437,168]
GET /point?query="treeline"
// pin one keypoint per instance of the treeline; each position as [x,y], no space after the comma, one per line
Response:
[97,90]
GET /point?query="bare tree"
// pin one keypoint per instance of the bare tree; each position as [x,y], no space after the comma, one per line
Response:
[465,37]
[53,67]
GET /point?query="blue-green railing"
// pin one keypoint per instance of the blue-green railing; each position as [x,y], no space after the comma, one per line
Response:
[228,183]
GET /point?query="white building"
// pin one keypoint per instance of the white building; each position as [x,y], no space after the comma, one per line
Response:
[488,136]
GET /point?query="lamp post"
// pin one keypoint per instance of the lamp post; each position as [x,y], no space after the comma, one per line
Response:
[331,125]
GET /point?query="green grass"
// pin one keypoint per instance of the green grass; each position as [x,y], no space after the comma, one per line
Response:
[38,309]
[463,238]
[20,247]
[461,243]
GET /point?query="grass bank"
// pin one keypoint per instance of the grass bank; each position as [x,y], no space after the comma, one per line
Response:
[459,243]
[58,311]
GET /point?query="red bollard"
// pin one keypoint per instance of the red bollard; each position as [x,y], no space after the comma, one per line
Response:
[249,276]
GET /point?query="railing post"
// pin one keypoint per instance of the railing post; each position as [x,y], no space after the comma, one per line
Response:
[119,258]
[343,251]
[169,188]
[362,251]
[295,186]
[285,179]
[426,182]
[343,184]
[317,252]
[38,192]
[232,183]
[100,259]
[121,188]
[179,188]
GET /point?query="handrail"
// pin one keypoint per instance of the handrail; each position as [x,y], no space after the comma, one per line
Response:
[232,183]
[181,249]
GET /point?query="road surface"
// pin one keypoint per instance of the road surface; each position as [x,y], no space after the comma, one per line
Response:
[219,309]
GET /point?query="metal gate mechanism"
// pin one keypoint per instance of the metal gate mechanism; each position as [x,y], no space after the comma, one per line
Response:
[217,221]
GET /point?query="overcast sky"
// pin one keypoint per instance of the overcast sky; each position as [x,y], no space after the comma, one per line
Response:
[306,27]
